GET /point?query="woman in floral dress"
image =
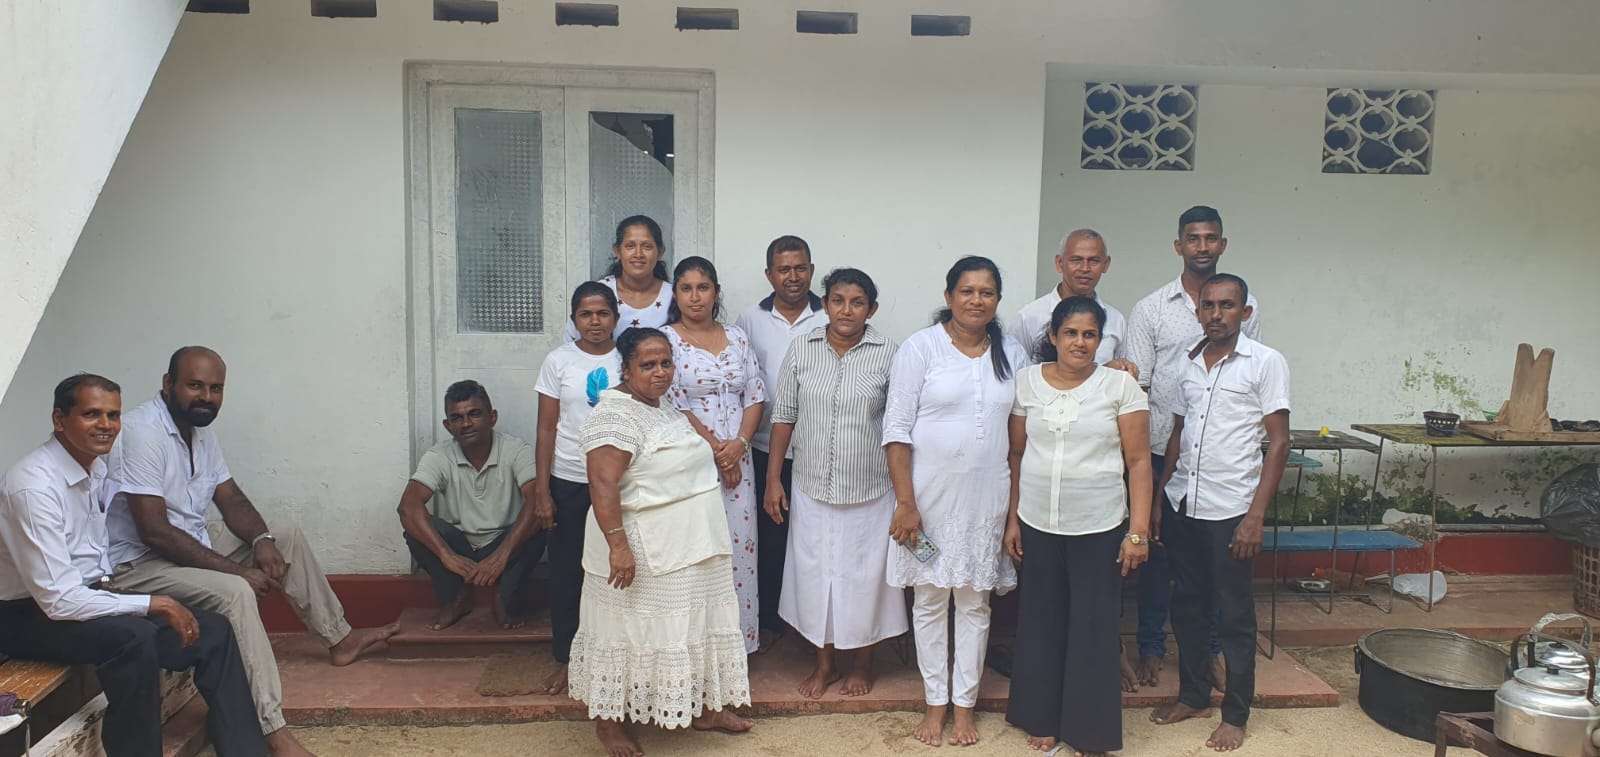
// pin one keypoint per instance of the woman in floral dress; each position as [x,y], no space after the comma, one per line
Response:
[718,384]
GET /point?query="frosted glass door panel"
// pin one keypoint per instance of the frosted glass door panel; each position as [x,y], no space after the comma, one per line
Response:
[631,158]
[499,221]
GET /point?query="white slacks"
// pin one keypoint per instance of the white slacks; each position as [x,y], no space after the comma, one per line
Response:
[930,623]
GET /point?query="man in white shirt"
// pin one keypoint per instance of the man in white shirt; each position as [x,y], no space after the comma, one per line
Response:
[1235,395]
[772,325]
[484,518]
[163,475]
[55,605]
[1081,261]
[1163,328]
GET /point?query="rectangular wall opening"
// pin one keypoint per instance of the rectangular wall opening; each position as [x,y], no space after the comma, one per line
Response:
[941,26]
[344,8]
[481,11]
[218,6]
[711,19]
[586,14]
[824,22]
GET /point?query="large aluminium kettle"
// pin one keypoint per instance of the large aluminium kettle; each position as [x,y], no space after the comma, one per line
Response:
[1546,710]
[1561,653]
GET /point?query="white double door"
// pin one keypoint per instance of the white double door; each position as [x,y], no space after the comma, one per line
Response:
[523,188]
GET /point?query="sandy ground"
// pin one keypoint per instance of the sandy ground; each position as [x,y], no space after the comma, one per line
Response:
[1341,731]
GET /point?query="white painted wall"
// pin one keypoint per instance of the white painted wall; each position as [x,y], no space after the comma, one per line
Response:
[72,76]
[259,205]
[1358,274]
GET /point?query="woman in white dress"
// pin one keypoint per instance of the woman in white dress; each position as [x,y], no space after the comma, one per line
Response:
[569,386]
[1075,428]
[638,277]
[658,637]
[944,431]
[718,383]
[829,403]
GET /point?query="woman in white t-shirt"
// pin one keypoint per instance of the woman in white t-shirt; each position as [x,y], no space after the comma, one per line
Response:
[637,277]
[569,386]
[1075,428]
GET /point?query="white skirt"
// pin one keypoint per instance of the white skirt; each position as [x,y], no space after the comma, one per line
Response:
[834,590]
[663,650]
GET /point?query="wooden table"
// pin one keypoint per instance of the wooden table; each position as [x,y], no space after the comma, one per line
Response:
[1416,433]
[1473,730]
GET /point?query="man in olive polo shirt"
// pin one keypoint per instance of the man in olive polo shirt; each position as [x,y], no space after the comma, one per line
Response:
[484,520]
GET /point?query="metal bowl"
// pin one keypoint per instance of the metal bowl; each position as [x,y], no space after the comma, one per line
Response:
[1437,657]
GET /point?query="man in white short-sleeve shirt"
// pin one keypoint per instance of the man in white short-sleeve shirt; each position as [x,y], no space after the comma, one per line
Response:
[1235,395]
[1081,261]
[164,473]
[772,324]
[56,605]
[484,516]
[1162,329]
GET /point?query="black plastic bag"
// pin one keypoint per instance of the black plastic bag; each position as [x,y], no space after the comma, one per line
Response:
[1570,506]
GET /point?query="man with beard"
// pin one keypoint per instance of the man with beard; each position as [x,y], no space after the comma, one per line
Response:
[163,474]
[1163,328]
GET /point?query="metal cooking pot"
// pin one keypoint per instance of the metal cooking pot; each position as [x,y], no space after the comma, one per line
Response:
[1566,656]
[1410,675]
[1546,710]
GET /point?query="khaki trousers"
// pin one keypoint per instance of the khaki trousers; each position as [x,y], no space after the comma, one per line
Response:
[305,586]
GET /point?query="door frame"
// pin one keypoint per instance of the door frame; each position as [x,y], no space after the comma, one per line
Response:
[420,78]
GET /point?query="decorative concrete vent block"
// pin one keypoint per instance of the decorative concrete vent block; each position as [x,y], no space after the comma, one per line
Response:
[824,22]
[481,11]
[344,8]
[1139,127]
[1378,131]
[708,19]
[941,26]
[586,14]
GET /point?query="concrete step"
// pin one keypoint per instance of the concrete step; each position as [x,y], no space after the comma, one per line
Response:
[476,635]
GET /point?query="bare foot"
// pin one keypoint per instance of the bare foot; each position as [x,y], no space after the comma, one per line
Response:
[1176,712]
[452,611]
[861,677]
[964,729]
[617,739]
[816,684]
[1088,754]
[503,618]
[721,720]
[1150,670]
[1219,674]
[557,682]
[931,730]
[282,743]
[1042,743]
[1130,679]
[1226,738]
[359,642]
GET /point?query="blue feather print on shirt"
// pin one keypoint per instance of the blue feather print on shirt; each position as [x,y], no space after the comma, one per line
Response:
[598,382]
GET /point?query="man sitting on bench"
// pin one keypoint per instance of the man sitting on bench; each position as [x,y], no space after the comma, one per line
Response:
[54,606]
[482,484]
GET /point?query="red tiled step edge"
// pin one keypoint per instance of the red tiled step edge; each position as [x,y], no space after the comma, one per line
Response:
[381,691]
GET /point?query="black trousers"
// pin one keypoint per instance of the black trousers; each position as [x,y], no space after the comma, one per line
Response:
[128,653]
[447,585]
[1066,681]
[566,563]
[1207,580]
[772,541]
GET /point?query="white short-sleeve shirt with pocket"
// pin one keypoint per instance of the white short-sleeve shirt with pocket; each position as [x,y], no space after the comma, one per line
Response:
[575,379]
[1071,475]
[151,459]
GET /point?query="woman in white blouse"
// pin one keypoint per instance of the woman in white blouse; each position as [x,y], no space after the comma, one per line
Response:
[944,433]
[637,276]
[658,637]
[718,383]
[569,386]
[1075,428]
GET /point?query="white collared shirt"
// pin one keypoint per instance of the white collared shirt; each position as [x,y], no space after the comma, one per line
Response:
[1163,328]
[53,538]
[151,459]
[1034,319]
[770,334]
[1224,422]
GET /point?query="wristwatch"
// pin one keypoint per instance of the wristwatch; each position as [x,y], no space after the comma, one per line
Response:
[264,537]
[1134,539]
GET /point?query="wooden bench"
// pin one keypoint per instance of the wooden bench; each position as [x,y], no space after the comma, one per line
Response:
[31,681]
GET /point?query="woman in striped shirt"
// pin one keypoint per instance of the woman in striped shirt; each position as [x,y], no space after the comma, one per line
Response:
[831,392]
